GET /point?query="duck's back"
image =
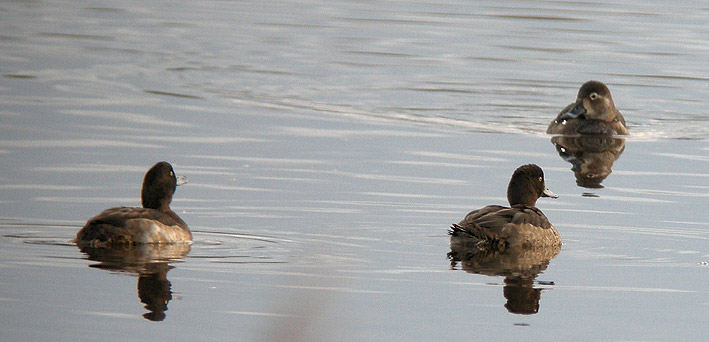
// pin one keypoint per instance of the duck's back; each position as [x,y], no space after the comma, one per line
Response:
[501,227]
[127,225]
[587,127]
[580,125]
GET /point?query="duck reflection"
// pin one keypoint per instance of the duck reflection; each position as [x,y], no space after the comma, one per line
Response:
[591,156]
[150,262]
[519,266]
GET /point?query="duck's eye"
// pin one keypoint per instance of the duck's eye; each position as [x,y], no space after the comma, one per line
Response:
[593,96]
[172,174]
[541,179]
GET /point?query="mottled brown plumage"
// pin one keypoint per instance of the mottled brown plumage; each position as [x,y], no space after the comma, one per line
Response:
[154,223]
[520,225]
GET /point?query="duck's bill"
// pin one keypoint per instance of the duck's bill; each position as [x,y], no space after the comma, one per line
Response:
[577,110]
[181,180]
[548,193]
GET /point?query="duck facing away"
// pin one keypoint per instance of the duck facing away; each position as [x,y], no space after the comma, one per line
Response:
[593,113]
[154,223]
[521,225]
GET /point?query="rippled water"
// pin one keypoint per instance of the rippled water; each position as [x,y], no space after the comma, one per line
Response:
[329,146]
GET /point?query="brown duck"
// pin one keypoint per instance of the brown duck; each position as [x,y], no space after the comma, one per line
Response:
[154,223]
[521,225]
[593,113]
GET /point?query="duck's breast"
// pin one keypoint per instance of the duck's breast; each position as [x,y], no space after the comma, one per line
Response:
[527,235]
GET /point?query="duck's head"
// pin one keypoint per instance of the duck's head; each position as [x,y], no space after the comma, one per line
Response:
[594,102]
[527,185]
[159,185]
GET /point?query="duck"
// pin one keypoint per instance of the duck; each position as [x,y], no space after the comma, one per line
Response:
[593,113]
[521,225]
[154,223]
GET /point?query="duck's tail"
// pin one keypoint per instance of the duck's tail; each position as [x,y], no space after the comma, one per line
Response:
[476,237]
[459,234]
[457,230]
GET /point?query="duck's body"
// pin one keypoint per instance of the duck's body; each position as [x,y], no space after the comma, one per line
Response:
[497,227]
[521,225]
[593,113]
[129,225]
[154,223]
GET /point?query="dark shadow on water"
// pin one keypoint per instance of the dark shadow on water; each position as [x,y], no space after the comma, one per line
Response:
[591,157]
[519,266]
[151,263]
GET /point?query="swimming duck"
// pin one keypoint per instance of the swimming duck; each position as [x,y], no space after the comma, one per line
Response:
[155,222]
[521,225]
[593,113]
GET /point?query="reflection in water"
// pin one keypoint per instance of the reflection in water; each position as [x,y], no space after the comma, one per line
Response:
[591,156]
[151,263]
[519,266]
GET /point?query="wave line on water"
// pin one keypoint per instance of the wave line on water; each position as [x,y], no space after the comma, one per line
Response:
[665,232]
[254,313]
[332,288]
[385,116]
[622,289]
[271,239]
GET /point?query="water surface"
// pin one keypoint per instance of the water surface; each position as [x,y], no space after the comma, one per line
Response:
[328,148]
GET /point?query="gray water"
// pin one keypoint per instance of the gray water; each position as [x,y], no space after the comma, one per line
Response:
[328,147]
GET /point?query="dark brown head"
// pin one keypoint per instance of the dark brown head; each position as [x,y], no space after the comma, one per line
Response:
[527,185]
[594,102]
[159,185]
